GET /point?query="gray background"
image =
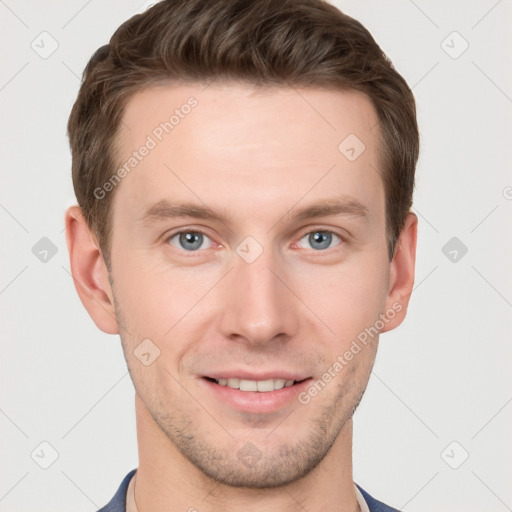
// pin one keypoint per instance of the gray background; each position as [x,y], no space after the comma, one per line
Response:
[441,388]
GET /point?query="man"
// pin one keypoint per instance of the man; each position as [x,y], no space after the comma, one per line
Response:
[244,173]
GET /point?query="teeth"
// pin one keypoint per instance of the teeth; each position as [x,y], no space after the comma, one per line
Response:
[233,383]
[279,383]
[255,385]
[248,385]
[266,385]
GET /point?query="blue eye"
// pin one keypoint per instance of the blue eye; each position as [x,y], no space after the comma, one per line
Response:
[319,240]
[190,241]
[193,241]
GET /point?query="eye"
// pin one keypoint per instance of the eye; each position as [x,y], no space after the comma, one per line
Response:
[320,240]
[190,240]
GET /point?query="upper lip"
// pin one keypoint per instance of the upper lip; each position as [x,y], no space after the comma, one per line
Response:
[241,374]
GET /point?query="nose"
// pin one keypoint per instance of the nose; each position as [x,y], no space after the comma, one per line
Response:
[259,308]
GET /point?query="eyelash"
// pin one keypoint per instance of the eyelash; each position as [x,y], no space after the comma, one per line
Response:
[201,232]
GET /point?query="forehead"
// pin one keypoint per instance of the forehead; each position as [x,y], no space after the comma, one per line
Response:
[262,144]
[322,115]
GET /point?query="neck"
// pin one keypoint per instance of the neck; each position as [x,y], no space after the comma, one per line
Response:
[167,481]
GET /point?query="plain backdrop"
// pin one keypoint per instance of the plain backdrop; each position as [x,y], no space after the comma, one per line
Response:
[433,431]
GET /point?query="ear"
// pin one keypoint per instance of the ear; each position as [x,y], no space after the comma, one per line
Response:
[89,271]
[401,275]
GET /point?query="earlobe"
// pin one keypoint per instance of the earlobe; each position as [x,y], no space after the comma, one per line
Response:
[401,276]
[89,272]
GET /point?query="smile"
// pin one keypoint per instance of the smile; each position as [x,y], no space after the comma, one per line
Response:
[263,386]
[264,395]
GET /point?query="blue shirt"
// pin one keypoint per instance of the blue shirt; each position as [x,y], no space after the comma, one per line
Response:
[118,502]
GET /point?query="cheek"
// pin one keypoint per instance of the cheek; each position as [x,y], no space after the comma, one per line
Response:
[348,299]
[153,299]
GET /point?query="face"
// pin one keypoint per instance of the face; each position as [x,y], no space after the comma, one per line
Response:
[249,248]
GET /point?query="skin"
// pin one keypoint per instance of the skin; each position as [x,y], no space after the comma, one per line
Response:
[257,156]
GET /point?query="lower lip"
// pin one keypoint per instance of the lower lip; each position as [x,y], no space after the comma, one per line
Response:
[257,401]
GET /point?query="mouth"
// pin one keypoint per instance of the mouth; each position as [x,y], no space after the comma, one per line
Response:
[269,393]
[261,386]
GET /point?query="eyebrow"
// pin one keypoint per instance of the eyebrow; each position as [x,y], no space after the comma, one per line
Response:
[164,209]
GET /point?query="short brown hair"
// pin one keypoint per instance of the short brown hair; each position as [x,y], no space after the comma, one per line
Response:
[307,43]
